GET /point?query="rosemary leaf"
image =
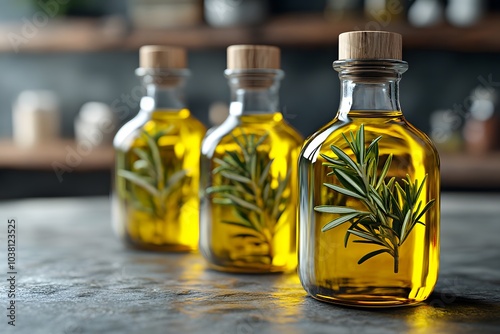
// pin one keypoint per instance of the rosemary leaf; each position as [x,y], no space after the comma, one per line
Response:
[343,191]
[360,136]
[425,209]
[385,169]
[348,181]
[242,202]
[336,209]
[351,144]
[261,140]
[339,221]
[333,161]
[265,173]
[419,191]
[404,227]
[138,181]
[372,254]
[243,235]
[372,145]
[364,235]
[216,189]
[155,153]
[236,223]
[175,178]
[140,165]
[345,158]
[235,177]
[236,162]
[222,201]
[143,155]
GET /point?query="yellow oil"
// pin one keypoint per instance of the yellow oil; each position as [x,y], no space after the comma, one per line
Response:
[328,270]
[168,220]
[272,248]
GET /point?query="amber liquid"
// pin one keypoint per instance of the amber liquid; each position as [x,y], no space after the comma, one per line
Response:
[328,270]
[233,248]
[168,222]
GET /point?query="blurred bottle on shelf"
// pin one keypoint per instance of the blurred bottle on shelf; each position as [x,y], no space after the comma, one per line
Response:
[481,128]
[426,13]
[225,13]
[384,12]
[342,9]
[36,118]
[164,13]
[445,131]
[95,124]
[217,113]
[465,13]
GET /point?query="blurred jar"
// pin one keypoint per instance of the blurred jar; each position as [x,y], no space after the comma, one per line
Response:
[225,13]
[464,13]
[95,124]
[384,12]
[481,128]
[342,9]
[36,118]
[445,131]
[426,13]
[157,14]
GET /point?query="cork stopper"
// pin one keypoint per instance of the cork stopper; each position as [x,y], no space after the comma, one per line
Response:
[370,45]
[253,57]
[158,56]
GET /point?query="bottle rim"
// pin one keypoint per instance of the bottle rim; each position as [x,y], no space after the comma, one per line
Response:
[255,73]
[163,72]
[371,65]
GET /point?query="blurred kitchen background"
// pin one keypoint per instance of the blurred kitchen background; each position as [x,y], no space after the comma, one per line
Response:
[67,65]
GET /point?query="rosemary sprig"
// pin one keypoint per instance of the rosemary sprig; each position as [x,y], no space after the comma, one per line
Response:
[247,187]
[155,181]
[392,208]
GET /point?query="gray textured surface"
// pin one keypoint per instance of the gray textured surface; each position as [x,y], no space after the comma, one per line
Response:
[75,277]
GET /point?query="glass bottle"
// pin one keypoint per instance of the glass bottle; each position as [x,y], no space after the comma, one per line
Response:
[155,198]
[249,172]
[369,188]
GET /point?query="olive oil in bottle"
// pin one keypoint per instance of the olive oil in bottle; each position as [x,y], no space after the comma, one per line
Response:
[155,198]
[369,188]
[249,172]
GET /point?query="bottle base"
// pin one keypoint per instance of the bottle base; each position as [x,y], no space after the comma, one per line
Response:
[166,248]
[363,301]
[250,270]
[379,298]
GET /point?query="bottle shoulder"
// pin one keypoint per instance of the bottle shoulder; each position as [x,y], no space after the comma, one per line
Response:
[395,132]
[129,131]
[277,131]
[175,124]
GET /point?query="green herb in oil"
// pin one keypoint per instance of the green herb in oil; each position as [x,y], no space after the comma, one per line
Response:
[392,208]
[152,177]
[246,188]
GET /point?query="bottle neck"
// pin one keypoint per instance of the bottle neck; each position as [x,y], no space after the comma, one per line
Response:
[164,89]
[369,86]
[254,91]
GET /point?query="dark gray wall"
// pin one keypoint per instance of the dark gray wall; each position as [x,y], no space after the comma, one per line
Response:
[309,94]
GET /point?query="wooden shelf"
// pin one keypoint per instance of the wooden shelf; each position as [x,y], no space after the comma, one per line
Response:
[61,154]
[309,30]
[471,171]
[457,171]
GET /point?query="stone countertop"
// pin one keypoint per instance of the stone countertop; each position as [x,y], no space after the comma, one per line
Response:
[74,276]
